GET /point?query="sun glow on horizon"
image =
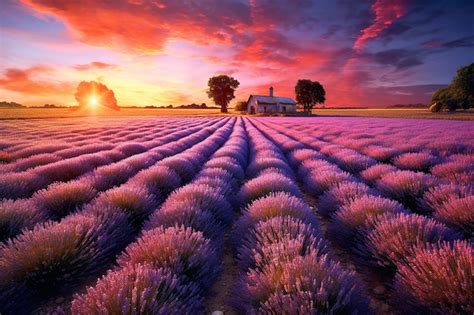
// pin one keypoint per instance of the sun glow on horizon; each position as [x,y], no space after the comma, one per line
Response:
[93,101]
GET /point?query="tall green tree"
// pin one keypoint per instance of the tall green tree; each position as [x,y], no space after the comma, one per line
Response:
[221,90]
[309,93]
[463,86]
[459,94]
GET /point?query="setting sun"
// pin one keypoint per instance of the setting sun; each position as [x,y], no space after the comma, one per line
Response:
[93,101]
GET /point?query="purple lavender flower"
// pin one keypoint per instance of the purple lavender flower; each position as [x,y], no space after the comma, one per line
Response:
[351,218]
[139,288]
[438,279]
[340,195]
[186,252]
[307,284]
[393,239]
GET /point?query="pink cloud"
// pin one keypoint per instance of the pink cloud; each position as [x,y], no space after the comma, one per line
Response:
[386,13]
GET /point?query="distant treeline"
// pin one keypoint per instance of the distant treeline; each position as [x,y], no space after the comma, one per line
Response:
[186,106]
[11,105]
[417,105]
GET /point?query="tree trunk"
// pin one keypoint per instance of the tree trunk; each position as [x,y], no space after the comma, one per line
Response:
[223,108]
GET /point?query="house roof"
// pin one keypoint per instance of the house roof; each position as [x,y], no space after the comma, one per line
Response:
[262,99]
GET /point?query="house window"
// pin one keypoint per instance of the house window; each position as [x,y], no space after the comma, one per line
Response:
[283,108]
[264,109]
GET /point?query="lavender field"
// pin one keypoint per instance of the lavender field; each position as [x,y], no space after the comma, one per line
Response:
[176,215]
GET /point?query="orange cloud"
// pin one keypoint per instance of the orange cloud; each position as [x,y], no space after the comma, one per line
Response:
[145,27]
[93,65]
[386,12]
[26,81]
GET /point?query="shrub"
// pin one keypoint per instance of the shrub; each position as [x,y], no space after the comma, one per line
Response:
[182,166]
[273,205]
[438,279]
[229,164]
[267,184]
[341,194]
[437,195]
[131,148]
[261,164]
[405,186]
[306,285]
[380,153]
[61,199]
[458,170]
[319,181]
[299,156]
[419,161]
[187,253]
[393,239]
[54,258]
[272,231]
[20,185]
[108,176]
[159,180]
[204,197]
[458,213]
[136,202]
[376,172]
[138,289]
[35,160]
[16,215]
[351,218]
[188,215]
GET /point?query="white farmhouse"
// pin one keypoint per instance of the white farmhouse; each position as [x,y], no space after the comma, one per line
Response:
[270,104]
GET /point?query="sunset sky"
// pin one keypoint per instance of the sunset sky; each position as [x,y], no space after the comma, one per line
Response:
[364,52]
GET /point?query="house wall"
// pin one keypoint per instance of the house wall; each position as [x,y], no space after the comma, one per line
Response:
[260,109]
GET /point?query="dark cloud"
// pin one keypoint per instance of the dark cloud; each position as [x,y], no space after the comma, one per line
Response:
[400,58]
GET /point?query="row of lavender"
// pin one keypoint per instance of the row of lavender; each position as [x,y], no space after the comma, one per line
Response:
[56,259]
[285,265]
[445,198]
[24,183]
[382,232]
[169,268]
[59,199]
[23,147]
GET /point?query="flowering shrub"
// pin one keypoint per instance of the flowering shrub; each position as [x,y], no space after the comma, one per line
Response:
[273,231]
[393,239]
[376,172]
[341,194]
[267,184]
[261,164]
[134,201]
[405,186]
[436,196]
[16,215]
[351,218]
[139,288]
[159,180]
[319,181]
[60,254]
[458,213]
[275,204]
[307,284]
[420,161]
[202,196]
[60,199]
[438,279]
[185,252]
